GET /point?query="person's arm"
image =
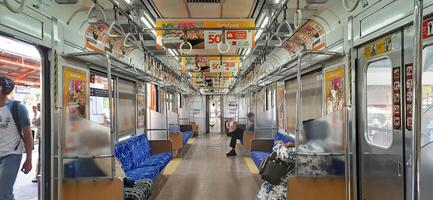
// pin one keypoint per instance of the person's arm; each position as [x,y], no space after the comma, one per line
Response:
[24,123]
[28,145]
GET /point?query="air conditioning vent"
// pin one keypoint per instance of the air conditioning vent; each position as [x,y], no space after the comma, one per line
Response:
[205,1]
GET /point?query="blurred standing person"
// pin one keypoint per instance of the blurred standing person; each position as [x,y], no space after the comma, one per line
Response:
[37,123]
[15,137]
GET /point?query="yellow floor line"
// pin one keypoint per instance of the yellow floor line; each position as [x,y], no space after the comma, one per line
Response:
[251,166]
[172,166]
[191,140]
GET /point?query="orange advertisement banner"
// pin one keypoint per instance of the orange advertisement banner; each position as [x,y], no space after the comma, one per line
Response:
[205,39]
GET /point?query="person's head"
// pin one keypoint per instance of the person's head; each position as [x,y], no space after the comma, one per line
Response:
[7,85]
[38,106]
[250,117]
[315,129]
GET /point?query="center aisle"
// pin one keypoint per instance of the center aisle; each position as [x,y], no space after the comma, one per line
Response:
[206,173]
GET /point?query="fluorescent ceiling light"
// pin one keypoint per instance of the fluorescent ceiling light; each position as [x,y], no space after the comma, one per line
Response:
[264,23]
[277,1]
[149,19]
[248,52]
[148,24]
[171,52]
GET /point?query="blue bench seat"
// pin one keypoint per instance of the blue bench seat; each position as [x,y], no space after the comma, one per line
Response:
[259,156]
[186,135]
[137,160]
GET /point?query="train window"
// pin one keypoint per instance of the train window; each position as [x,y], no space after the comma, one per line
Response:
[127,101]
[290,107]
[427,96]
[99,106]
[379,103]
[312,95]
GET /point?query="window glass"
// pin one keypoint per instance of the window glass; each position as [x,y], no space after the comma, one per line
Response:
[99,101]
[379,103]
[290,107]
[127,101]
[311,95]
[427,96]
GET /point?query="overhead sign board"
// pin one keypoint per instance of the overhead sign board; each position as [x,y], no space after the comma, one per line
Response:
[204,39]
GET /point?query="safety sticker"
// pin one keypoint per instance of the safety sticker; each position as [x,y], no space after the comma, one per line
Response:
[396,106]
[409,95]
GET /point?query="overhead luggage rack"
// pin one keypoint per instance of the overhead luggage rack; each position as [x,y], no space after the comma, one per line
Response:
[308,59]
[305,60]
[103,60]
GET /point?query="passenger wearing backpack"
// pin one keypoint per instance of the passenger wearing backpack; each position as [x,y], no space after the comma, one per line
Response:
[15,137]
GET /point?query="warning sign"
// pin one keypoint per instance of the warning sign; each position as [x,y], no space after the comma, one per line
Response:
[378,47]
[427,28]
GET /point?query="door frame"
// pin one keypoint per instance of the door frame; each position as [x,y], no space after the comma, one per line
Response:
[360,105]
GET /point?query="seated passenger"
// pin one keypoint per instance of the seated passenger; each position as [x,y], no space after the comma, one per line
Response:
[239,133]
[308,165]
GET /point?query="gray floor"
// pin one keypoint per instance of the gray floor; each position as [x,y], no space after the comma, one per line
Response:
[206,173]
[24,188]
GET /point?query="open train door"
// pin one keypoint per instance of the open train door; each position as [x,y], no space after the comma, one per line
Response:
[380,126]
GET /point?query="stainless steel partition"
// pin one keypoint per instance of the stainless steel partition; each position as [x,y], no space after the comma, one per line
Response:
[158,126]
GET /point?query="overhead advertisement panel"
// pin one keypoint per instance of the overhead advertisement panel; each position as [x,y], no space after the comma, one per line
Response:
[211,64]
[205,39]
[311,36]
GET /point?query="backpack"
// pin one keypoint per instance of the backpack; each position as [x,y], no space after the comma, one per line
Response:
[16,118]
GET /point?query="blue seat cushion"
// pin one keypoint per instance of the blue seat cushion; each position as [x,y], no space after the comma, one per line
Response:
[284,137]
[132,152]
[158,160]
[123,153]
[258,156]
[186,135]
[139,155]
[150,172]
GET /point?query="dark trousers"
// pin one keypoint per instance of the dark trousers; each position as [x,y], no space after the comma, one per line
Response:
[237,134]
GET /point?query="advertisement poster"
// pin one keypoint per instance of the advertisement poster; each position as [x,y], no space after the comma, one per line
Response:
[75,92]
[261,101]
[97,39]
[204,39]
[280,104]
[334,89]
[141,110]
[228,65]
[311,36]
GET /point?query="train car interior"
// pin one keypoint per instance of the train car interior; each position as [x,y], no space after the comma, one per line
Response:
[216,99]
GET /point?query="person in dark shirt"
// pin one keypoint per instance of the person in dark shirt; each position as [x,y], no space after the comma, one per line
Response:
[239,133]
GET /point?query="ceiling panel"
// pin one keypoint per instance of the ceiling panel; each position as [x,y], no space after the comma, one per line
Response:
[171,8]
[238,8]
[229,9]
[205,10]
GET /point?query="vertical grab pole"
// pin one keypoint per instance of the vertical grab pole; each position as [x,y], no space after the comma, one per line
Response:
[347,108]
[417,98]
[298,107]
[166,109]
[110,104]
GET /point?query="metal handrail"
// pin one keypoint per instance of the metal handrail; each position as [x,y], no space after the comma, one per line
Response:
[88,157]
[318,154]
[417,98]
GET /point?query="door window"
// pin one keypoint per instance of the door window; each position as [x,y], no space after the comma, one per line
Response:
[379,103]
[427,96]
